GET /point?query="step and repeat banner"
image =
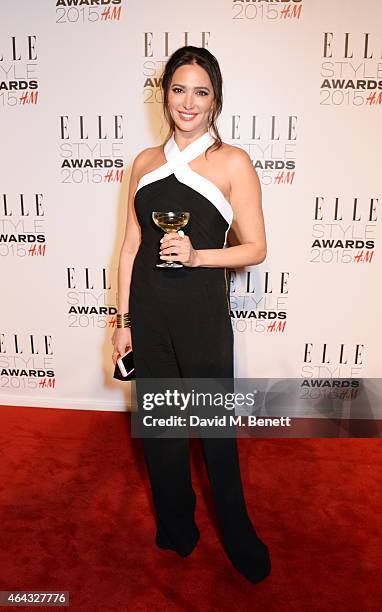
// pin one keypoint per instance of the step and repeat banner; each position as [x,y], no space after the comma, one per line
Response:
[80,97]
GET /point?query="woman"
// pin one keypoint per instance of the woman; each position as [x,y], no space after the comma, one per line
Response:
[180,318]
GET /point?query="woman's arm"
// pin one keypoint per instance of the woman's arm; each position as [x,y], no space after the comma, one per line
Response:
[130,244]
[121,338]
[248,220]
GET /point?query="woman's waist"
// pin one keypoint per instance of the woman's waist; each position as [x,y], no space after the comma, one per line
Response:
[146,272]
[151,241]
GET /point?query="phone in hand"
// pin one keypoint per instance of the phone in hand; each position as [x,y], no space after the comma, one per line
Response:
[125,369]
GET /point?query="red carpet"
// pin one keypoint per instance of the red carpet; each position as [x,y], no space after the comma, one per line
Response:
[76,515]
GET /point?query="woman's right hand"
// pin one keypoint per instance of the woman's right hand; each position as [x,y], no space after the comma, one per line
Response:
[121,340]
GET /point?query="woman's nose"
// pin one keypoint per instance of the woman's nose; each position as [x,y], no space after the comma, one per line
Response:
[188,101]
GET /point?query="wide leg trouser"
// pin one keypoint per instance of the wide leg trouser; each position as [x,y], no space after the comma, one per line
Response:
[166,348]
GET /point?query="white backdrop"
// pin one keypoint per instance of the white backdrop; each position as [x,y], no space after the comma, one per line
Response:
[79,99]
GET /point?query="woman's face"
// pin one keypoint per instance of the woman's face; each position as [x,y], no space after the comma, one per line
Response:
[190,98]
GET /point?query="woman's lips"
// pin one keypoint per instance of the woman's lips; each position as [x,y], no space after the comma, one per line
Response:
[187,116]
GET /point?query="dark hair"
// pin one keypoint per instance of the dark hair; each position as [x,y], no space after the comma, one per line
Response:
[205,59]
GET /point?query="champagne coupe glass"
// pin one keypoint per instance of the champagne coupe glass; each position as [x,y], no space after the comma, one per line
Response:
[170,222]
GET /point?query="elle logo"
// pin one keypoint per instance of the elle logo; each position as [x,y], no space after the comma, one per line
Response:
[79,127]
[340,355]
[21,205]
[21,49]
[85,280]
[364,45]
[28,343]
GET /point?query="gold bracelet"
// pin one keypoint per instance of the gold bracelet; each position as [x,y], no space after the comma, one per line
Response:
[123,320]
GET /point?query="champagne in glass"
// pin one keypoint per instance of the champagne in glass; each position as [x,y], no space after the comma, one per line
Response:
[170,222]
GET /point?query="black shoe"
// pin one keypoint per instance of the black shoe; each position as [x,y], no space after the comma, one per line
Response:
[162,542]
[254,564]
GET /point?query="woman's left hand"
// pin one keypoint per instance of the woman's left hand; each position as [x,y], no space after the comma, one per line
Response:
[181,249]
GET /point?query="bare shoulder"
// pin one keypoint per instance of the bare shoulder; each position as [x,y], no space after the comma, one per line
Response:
[145,158]
[233,159]
[240,172]
[235,156]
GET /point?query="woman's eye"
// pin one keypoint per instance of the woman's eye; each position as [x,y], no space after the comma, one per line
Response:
[179,90]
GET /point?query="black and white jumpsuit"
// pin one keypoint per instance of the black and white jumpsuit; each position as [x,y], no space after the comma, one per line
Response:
[181,327]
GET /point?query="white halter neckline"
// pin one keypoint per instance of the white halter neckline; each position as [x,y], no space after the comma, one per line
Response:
[191,151]
[177,163]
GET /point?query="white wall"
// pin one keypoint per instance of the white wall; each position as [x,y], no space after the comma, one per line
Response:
[323,303]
